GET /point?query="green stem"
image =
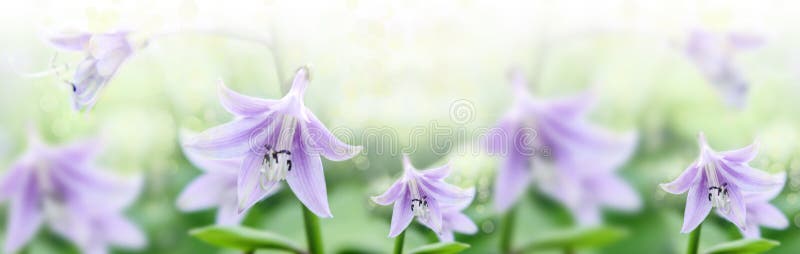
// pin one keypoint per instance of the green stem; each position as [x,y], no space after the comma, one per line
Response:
[313,235]
[569,250]
[398,243]
[694,240]
[506,235]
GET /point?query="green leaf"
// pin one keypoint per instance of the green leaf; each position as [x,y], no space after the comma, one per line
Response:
[441,248]
[242,238]
[743,246]
[577,238]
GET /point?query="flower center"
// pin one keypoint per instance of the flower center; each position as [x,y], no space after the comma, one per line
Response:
[717,192]
[277,161]
[419,203]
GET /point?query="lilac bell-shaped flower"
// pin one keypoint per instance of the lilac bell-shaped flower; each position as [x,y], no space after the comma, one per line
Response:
[61,187]
[553,138]
[425,195]
[277,140]
[105,53]
[720,179]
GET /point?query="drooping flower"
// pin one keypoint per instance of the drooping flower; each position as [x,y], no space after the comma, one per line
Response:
[714,55]
[760,212]
[215,188]
[552,138]
[453,220]
[425,195]
[720,179]
[105,53]
[278,140]
[61,187]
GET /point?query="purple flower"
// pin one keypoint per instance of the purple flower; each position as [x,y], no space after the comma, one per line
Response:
[553,139]
[427,196]
[760,212]
[277,140]
[215,188]
[104,55]
[61,187]
[713,55]
[720,179]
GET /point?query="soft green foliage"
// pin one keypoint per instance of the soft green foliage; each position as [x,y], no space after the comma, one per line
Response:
[576,238]
[243,238]
[440,248]
[744,246]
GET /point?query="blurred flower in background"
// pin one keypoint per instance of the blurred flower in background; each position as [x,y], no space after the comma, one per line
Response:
[573,161]
[61,186]
[713,53]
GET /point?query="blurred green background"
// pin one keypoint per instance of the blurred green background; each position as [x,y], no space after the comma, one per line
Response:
[396,66]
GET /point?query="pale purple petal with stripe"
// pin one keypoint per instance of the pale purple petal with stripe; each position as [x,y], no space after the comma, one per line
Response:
[242,105]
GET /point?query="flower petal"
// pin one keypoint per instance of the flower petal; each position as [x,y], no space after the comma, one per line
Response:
[102,45]
[738,210]
[307,180]
[498,140]
[25,216]
[586,214]
[742,155]
[206,191]
[228,212]
[584,147]
[446,193]
[438,173]
[742,41]
[751,232]
[697,206]
[323,142]
[391,195]
[120,231]
[573,106]
[232,139]
[70,41]
[434,219]
[446,236]
[747,178]
[462,204]
[613,191]
[249,189]
[242,105]
[769,194]
[460,223]
[767,215]
[86,83]
[512,180]
[683,182]
[11,181]
[98,188]
[401,215]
